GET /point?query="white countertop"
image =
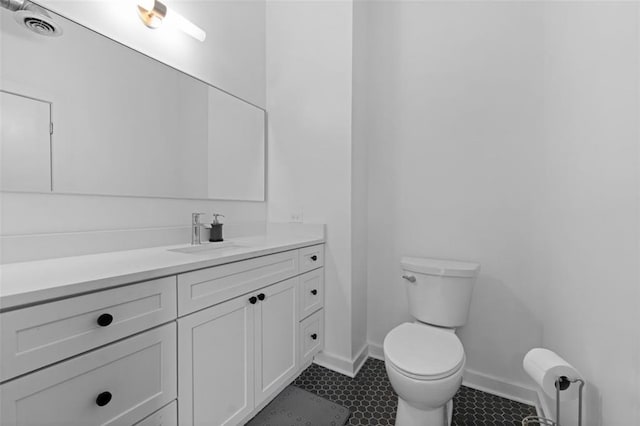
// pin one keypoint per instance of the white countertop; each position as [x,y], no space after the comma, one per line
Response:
[27,283]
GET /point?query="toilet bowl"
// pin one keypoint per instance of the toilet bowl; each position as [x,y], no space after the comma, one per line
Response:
[425,359]
[424,365]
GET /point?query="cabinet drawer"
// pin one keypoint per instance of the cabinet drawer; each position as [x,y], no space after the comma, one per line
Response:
[311,257]
[311,336]
[311,294]
[207,287]
[40,335]
[119,384]
[167,416]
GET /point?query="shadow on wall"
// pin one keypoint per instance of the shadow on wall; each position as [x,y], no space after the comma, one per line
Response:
[337,304]
[494,306]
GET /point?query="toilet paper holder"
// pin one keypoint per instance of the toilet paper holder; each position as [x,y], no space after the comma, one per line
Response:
[562,383]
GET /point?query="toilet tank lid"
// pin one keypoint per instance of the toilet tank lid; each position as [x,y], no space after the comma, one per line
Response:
[440,267]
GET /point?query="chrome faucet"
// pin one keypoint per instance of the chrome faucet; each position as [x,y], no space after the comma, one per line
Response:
[196,229]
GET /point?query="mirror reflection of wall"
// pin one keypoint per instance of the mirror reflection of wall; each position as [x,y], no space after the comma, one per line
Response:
[124,124]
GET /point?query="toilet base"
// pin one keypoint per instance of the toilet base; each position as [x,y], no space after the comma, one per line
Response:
[408,415]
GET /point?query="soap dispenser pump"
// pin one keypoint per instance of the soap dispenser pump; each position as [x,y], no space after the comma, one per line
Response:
[216,229]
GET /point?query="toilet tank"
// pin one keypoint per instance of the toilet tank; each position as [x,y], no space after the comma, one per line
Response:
[439,291]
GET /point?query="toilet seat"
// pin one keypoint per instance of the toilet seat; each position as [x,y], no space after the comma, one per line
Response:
[423,352]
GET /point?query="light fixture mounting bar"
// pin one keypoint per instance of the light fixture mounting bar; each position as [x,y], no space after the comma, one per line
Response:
[153,13]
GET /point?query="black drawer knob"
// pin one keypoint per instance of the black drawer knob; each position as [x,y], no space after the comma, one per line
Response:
[253,300]
[314,336]
[103,399]
[105,319]
[314,257]
[261,297]
[314,291]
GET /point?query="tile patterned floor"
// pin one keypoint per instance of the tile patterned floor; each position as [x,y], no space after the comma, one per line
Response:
[372,401]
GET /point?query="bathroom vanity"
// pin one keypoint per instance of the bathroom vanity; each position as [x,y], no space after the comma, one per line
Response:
[159,336]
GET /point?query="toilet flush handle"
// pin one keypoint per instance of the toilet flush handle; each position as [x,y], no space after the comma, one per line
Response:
[409,278]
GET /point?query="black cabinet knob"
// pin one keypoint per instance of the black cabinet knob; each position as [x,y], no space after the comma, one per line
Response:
[314,336]
[103,399]
[314,257]
[314,291]
[104,320]
[261,297]
[253,300]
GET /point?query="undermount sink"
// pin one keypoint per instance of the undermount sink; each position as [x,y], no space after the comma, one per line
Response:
[207,248]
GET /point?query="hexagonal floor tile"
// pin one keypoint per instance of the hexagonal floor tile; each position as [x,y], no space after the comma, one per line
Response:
[372,401]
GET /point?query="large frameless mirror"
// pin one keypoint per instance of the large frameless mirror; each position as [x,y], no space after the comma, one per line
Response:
[83,114]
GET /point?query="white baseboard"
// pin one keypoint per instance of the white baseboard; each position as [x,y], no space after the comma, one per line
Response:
[342,365]
[360,359]
[335,363]
[499,387]
[542,407]
[376,351]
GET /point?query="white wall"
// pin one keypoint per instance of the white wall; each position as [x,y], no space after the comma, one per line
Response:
[587,223]
[453,117]
[507,133]
[232,57]
[309,86]
[34,226]
[359,237]
[40,226]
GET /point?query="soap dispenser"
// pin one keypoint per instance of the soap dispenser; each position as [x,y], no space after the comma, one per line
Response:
[216,229]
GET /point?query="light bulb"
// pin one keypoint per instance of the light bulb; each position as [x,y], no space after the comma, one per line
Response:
[151,12]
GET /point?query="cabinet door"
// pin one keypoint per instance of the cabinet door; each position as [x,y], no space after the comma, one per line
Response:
[215,364]
[276,323]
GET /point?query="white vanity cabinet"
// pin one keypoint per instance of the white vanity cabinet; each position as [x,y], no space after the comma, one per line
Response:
[104,358]
[311,257]
[167,416]
[209,346]
[206,287]
[232,356]
[311,302]
[311,294]
[116,385]
[237,355]
[276,333]
[216,364]
[39,335]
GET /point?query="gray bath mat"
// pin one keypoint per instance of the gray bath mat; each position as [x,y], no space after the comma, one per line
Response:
[297,407]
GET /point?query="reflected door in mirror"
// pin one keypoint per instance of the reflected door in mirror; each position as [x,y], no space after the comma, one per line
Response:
[25,151]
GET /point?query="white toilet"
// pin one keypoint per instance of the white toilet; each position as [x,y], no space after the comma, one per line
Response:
[425,359]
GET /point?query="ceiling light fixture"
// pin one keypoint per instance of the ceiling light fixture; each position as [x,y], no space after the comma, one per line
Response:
[153,13]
